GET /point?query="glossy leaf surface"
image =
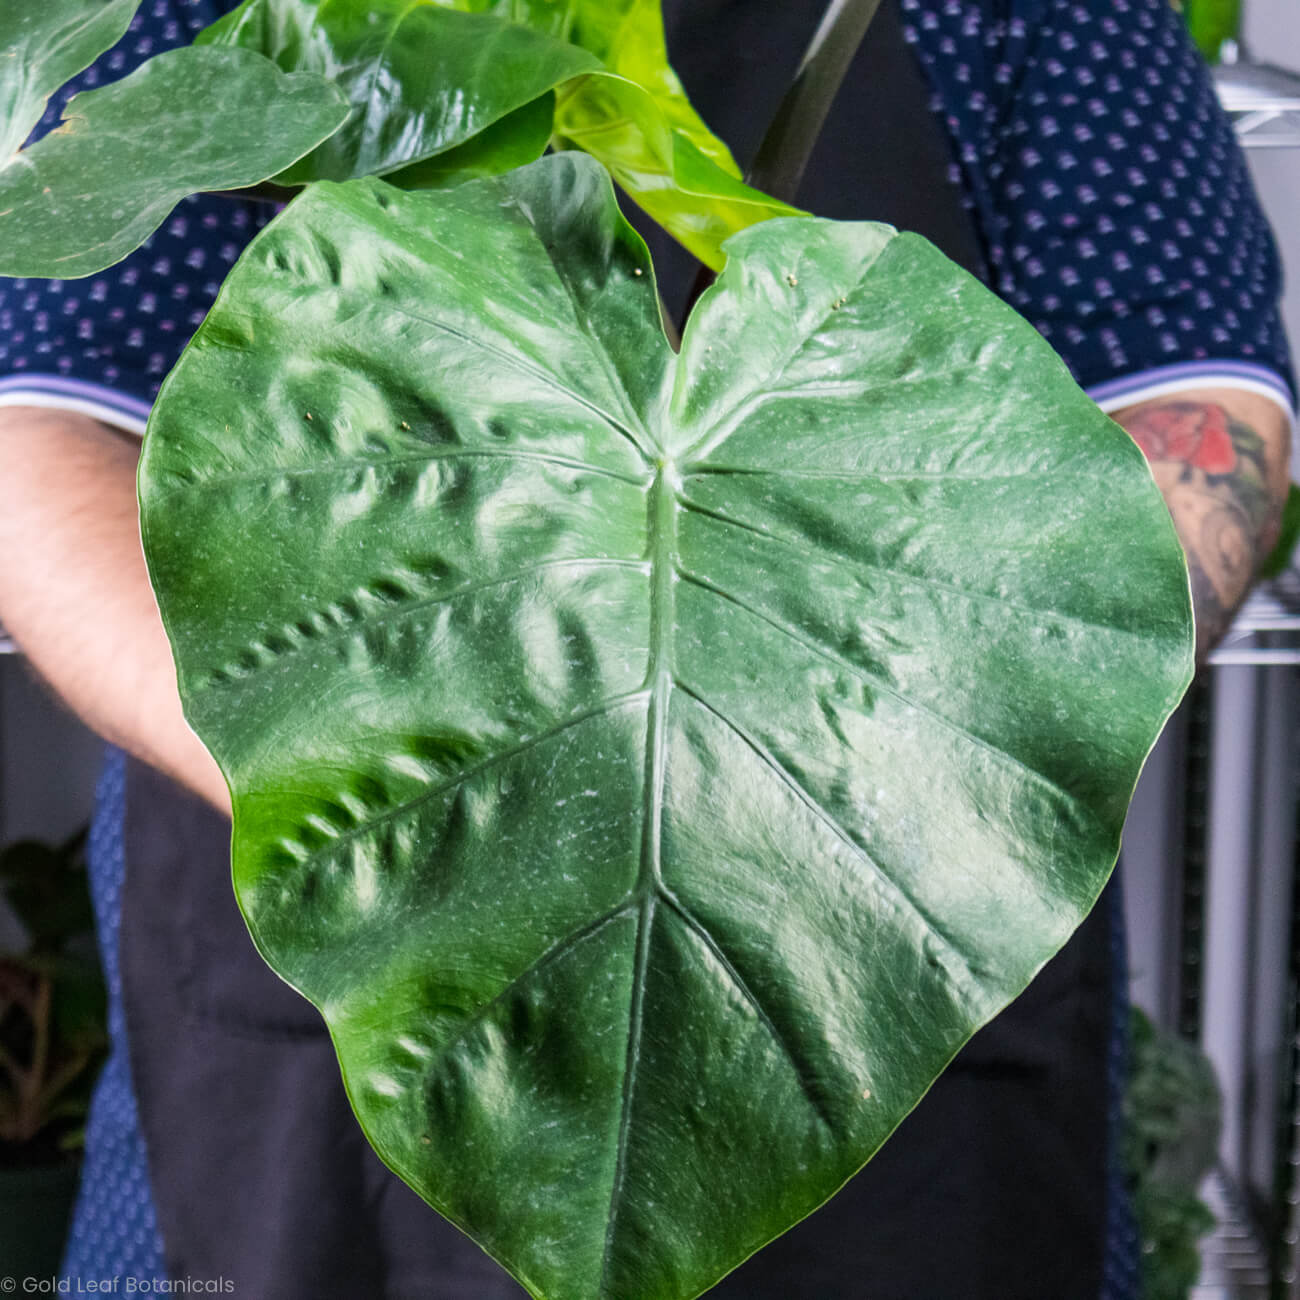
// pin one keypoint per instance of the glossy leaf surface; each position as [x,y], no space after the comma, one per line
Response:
[44,45]
[101,183]
[654,767]
[461,81]
[518,138]
[421,78]
[640,124]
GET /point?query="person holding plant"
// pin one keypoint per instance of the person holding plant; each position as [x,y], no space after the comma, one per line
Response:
[1079,164]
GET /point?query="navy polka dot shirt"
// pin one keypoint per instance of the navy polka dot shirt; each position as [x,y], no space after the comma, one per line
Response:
[1117,212]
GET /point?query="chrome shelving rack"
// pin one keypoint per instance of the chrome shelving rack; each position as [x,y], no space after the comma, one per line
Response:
[1237,987]
[1264,103]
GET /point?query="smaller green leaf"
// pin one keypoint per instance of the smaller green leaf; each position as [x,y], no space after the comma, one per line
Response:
[46,888]
[46,45]
[421,78]
[518,138]
[637,119]
[1288,535]
[628,37]
[620,124]
[99,185]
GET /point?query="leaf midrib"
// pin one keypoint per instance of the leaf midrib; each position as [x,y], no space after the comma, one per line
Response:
[662,511]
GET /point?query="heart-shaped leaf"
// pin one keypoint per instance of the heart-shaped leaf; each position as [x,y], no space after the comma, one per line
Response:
[42,46]
[431,76]
[100,184]
[654,767]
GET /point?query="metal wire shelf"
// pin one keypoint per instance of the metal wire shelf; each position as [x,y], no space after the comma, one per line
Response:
[1263,102]
[1267,628]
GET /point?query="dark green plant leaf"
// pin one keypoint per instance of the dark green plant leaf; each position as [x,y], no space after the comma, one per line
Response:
[48,891]
[518,138]
[1279,558]
[654,767]
[434,76]
[43,44]
[102,182]
[1173,1118]
[421,79]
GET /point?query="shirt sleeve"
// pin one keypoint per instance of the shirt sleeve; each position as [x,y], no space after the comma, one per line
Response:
[101,346]
[1115,203]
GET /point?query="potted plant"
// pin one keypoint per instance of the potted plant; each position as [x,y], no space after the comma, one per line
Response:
[52,1042]
[608,726]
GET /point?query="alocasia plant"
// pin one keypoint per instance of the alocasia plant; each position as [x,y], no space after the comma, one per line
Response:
[654,766]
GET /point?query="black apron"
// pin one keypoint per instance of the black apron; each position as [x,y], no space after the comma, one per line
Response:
[994,1187]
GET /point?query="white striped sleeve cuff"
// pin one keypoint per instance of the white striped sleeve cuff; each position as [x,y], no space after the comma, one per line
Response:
[56,392]
[1164,381]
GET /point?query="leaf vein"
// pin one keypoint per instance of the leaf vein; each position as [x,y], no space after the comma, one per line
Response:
[806,1083]
[511,361]
[898,575]
[634,1021]
[336,466]
[880,683]
[404,611]
[895,891]
[408,806]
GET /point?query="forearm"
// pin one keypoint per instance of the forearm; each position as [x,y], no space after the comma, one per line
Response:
[1220,456]
[75,594]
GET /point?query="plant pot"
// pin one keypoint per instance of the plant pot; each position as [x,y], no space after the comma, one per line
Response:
[35,1206]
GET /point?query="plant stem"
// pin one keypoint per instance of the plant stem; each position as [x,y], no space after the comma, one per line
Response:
[12,1068]
[41,1031]
[792,135]
[61,1079]
[795,128]
[263,193]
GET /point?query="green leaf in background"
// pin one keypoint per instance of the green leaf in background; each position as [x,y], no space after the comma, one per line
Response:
[640,124]
[421,78]
[1173,1118]
[1278,559]
[43,44]
[654,767]
[47,889]
[628,38]
[518,138]
[473,76]
[100,184]
[1211,23]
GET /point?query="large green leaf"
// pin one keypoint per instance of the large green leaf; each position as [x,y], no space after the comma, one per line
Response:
[42,46]
[98,186]
[425,77]
[654,767]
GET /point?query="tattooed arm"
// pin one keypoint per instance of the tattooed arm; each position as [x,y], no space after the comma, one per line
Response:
[75,593]
[1221,459]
